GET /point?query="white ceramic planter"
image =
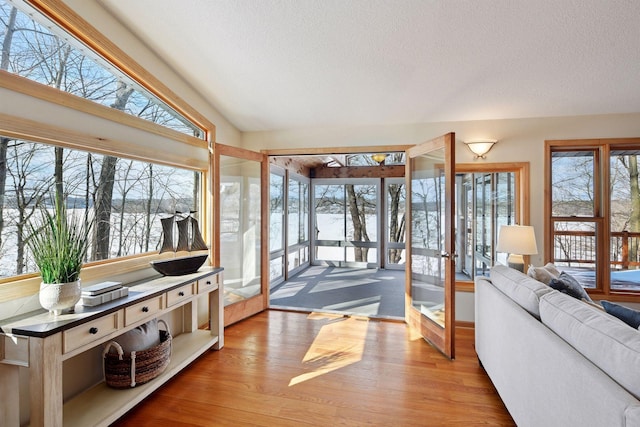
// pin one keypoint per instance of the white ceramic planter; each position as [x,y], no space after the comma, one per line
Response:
[56,297]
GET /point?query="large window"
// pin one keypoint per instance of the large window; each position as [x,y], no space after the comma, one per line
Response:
[126,198]
[35,48]
[125,150]
[594,212]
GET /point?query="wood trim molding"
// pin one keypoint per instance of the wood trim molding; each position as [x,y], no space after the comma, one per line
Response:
[29,130]
[394,171]
[37,90]
[65,17]
[336,150]
[523,208]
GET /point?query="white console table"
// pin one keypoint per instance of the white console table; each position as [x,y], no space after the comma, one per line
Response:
[41,342]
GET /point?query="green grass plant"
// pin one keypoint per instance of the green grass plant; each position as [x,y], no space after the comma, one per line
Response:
[59,245]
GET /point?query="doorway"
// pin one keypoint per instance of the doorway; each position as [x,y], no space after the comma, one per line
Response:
[337,233]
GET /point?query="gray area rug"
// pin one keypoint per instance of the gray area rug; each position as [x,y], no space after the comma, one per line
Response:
[354,291]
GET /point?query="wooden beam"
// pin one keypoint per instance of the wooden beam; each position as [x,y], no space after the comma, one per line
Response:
[395,171]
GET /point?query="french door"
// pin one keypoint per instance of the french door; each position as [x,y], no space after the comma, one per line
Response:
[240,213]
[430,266]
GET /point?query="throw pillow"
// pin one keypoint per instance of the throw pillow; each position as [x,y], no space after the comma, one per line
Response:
[551,268]
[543,274]
[628,315]
[140,338]
[593,304]
[567,284]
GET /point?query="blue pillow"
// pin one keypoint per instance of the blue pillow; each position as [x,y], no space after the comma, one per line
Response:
[567,284]
[628,315]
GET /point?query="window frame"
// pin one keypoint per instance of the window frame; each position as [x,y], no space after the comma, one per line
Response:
[601,210]
[521,171]
[23,128]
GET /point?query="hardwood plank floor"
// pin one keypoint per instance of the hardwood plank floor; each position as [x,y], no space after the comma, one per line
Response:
[293,369]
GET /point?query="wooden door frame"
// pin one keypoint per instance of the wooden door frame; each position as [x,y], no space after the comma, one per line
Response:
[250,306]
[442,341]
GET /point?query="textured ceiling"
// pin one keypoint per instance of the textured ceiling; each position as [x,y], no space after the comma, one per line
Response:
[280,64]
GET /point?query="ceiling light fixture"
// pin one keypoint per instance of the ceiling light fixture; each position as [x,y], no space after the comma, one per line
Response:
[480,147]
[379,157]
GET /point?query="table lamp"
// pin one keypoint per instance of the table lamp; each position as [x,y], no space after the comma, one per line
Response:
[517,240]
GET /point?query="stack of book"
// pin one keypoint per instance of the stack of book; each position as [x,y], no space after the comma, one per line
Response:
[103,292]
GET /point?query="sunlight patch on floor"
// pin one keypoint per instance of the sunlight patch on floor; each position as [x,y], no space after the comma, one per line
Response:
[331,349]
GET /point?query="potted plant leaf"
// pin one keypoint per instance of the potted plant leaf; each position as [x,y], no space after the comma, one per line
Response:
[59,245]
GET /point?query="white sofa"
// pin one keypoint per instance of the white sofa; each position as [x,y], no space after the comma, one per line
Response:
[555,360]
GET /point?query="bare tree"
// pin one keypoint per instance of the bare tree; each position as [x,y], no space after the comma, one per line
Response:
[104,190]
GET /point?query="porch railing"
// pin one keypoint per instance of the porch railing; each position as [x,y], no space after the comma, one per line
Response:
[578,248]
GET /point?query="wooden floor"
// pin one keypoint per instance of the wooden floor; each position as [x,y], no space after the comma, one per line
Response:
[293,369]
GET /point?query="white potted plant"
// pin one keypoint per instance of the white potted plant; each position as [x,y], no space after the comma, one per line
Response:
[59,245]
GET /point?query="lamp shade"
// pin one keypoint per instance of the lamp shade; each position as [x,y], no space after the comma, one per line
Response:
[480,147]
[517,239]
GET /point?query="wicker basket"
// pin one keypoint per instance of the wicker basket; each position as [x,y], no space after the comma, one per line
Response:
[138,367]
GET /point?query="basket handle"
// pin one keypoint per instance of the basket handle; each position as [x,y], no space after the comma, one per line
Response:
[108,347]
[166,328]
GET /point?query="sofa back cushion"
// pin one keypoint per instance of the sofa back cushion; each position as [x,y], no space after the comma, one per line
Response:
[522,289]
[607,342]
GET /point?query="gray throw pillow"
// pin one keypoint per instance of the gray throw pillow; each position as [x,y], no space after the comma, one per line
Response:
[567,284]
[628,315]
[543,274]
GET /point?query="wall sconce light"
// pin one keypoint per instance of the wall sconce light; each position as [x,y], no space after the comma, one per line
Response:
[379,157]
[480,147]
[517,240]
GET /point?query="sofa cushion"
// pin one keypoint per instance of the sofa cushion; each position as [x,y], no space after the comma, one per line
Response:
[628,315]
[568,284]
[543,274]
[522,289]
[606,341]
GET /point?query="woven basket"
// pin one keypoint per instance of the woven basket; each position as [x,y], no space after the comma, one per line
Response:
[138,367]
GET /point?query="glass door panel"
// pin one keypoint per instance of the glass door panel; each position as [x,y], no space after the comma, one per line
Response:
[430,269]
[240,227]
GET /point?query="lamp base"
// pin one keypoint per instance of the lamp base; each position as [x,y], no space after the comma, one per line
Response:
[516,262]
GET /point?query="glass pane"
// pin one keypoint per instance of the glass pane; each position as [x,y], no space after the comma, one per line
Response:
[276,209]
[572,183]
[574,249]
[304,212]
[330,253]
[396,196]
[427,235]
[293,210]
[368,255]
[625,220]
[276,269]
[135,196]
[43,52]
[396,256]
[240,210]
[294,260]
[362,222]
[330,212]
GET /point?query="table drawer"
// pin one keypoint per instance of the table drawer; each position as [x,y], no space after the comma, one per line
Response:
[142,310]
[182,293]
[89,332]
[209,283]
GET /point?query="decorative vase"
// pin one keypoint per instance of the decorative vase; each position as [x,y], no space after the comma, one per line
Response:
[56,297]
